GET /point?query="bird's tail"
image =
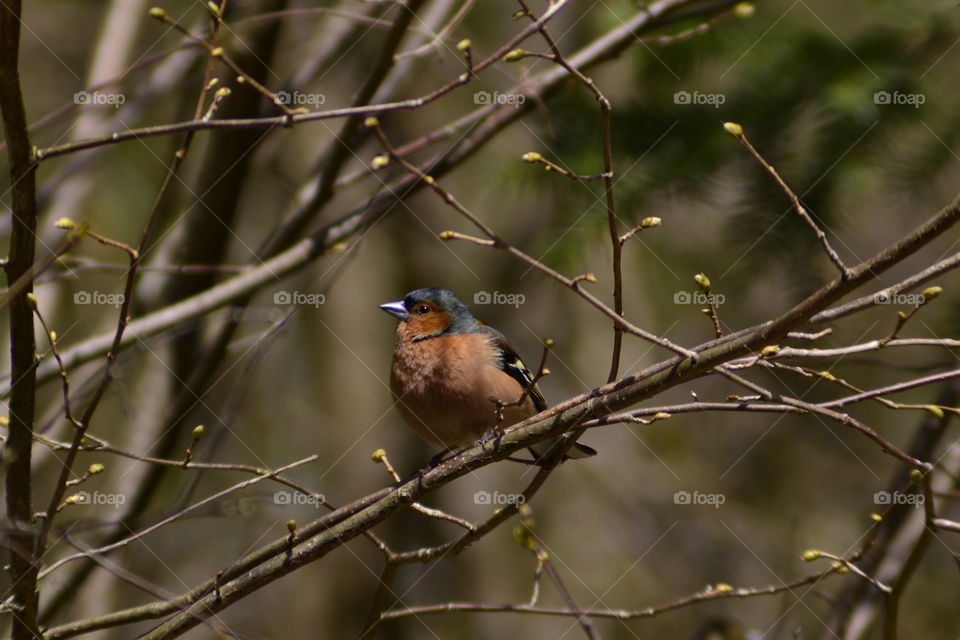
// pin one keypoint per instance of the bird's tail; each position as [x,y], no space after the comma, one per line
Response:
[543,451]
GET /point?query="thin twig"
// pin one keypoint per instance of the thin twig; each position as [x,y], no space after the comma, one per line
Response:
[440,35]
[737,132]
[499,243]
[843,418]
[116,343]
[176,516]
[29,277]
[527,536]
[198,124]
[381,456]
[619,614]
[608,184]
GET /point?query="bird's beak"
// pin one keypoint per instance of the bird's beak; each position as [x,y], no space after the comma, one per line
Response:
[396,309]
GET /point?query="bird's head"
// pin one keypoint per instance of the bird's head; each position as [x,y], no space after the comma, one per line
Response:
[431,312]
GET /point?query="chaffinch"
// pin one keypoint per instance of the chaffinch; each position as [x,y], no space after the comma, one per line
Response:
[447,369]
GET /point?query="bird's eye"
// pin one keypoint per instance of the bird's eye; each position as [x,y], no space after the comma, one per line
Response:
[423,309]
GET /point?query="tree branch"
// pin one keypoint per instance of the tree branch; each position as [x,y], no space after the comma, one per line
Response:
[21,536]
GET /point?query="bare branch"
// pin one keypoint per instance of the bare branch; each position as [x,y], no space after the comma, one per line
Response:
[737,132]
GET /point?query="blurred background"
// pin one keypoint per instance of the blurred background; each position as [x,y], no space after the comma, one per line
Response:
[854,103]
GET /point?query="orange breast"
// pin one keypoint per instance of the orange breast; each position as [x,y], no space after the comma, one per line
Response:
[443,388]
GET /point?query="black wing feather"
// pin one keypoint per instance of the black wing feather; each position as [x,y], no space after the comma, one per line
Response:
[511,364]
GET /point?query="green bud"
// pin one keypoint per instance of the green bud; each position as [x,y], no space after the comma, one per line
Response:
[733,129]
[524,537]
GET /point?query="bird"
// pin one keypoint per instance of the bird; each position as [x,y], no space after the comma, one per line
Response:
[448,370]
